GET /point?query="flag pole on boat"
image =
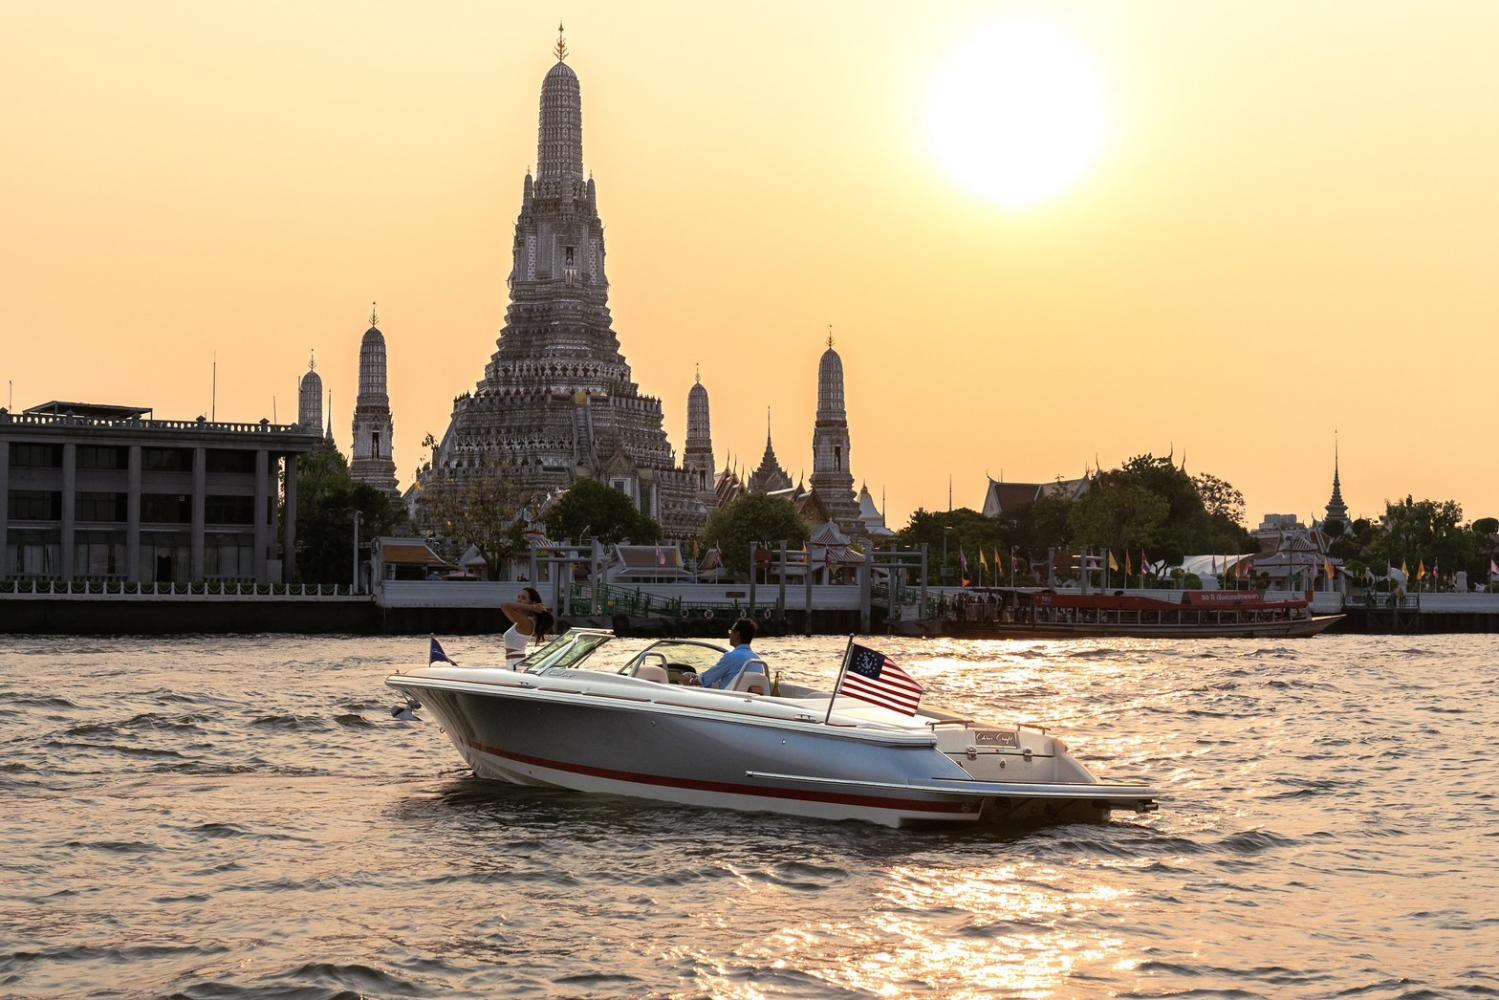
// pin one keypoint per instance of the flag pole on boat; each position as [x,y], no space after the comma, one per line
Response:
[842,667]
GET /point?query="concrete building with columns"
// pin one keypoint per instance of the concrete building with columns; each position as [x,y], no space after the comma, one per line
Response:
[91,491]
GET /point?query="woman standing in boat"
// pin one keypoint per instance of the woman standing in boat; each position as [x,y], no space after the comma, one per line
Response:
[529,619]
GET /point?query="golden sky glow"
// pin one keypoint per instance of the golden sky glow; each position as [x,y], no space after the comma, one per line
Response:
[1292,226]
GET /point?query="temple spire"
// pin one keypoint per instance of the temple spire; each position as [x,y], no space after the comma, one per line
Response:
[560,49]
[1337,510]
[374,316]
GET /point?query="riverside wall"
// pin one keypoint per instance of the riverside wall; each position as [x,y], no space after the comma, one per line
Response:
[449,608]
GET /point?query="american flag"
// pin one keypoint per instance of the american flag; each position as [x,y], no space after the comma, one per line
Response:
[873,677]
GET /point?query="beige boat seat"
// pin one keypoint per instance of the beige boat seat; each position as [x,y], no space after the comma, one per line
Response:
[651,672]
[753,681]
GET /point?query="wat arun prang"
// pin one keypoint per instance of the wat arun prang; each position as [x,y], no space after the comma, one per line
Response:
[557,401]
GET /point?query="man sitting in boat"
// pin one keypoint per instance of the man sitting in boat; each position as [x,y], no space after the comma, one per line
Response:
[726,671]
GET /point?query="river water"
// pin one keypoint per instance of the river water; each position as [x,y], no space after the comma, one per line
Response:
[241,817]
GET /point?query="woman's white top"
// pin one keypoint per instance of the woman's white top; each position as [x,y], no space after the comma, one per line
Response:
[515,644]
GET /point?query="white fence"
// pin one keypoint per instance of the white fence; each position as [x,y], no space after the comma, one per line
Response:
[80,590]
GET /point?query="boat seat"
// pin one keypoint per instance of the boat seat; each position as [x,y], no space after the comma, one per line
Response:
[651,672]
[752,681]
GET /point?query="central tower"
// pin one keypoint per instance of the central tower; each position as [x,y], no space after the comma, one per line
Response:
[557,400]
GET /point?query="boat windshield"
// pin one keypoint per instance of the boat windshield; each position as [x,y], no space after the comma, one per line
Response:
[567,650]
[677,657]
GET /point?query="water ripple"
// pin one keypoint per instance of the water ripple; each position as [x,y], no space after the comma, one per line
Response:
[253,827]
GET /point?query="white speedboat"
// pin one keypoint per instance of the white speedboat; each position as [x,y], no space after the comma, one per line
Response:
[573,716]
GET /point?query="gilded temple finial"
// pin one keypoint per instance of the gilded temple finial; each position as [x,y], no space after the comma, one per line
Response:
[560,49]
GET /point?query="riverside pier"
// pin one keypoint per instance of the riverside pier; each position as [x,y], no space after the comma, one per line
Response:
[410,607]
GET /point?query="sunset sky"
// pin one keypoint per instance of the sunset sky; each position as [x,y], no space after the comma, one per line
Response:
[1289,224]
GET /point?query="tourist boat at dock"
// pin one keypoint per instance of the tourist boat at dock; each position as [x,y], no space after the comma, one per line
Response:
[1004,613]
[581,713]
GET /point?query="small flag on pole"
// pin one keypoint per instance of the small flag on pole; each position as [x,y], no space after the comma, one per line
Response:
[873,677]
[999,567]
[963,566]
[436,655]
[1493,568]
[1113,563]
[1129,567]
[1421,570]
[1327,567]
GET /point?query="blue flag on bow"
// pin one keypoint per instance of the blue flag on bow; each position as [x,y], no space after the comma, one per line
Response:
[435,654]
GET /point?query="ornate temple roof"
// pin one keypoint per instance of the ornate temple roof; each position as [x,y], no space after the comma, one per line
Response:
[1000,496]
[769,477]
[874,521]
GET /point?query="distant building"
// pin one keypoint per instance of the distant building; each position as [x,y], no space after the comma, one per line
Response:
[557,400]
[91,491]
[646,564]
[872,516]
[832,475]
[1294,556]
[1337,510]
[395,558]
[310,400]
[728,487]
[373,463]
[769,477]
[697,458]
[1008,498]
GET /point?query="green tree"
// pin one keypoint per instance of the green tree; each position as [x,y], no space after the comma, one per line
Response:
[749,519]
[482,511]
[965,531]
[590,509]
[1048,523]
[1118,514]
[1425,531]
[327,499]
[1194,522]
[1219,498]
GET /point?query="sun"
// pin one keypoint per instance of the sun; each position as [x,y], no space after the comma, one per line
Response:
[1018,114]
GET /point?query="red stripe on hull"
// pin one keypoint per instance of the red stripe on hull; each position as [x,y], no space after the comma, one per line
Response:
[726,788]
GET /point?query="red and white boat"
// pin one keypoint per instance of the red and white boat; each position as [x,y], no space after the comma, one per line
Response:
[1195,614]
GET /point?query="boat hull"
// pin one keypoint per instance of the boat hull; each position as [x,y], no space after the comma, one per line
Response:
[618,747]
